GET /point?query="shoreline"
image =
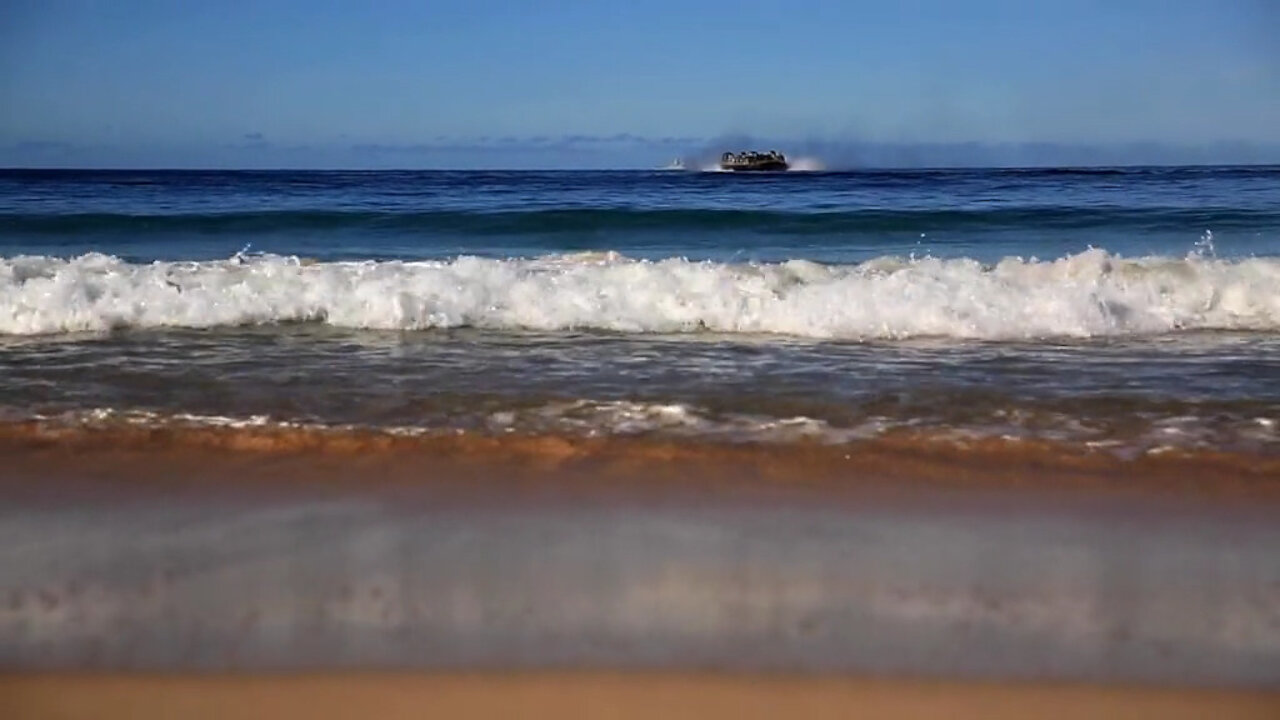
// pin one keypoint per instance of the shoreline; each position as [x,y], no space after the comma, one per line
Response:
[895,465]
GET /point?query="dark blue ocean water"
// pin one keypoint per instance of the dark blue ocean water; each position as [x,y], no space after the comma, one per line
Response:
[1125,307]
[829,217]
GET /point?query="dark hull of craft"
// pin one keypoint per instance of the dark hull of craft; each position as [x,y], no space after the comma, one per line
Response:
[755,167]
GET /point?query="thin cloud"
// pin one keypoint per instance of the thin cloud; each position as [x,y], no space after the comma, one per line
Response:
[534,143]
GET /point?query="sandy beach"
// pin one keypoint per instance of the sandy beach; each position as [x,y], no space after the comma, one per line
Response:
[209,575]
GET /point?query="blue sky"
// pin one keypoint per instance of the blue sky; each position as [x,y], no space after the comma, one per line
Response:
[603,83]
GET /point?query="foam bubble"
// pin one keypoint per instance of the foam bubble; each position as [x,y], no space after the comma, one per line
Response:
[1092,293]
[1124,438]
[580,418]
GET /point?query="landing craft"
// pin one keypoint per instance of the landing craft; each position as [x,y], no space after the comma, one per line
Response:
[751,160]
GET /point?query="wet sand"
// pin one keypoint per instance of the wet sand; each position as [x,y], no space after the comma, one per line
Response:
[551,574]
[651,467]
[600,695]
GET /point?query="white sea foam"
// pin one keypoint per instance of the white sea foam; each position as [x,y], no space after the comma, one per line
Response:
[611,418]
[585,418]
[1089,294]
[624,417]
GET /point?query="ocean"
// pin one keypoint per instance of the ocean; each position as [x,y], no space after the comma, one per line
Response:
[1010,425]
[1119,313]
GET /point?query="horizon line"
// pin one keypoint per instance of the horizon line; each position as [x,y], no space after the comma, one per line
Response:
[859,168]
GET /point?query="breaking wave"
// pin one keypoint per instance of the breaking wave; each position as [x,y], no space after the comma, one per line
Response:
[1090,294]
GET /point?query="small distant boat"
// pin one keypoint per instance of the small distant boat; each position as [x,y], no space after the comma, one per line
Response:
[751,160]
[677,164]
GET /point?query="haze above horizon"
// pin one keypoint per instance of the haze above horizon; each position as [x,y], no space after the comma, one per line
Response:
[506,84]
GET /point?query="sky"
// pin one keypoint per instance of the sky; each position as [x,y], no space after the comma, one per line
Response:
[608,83]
